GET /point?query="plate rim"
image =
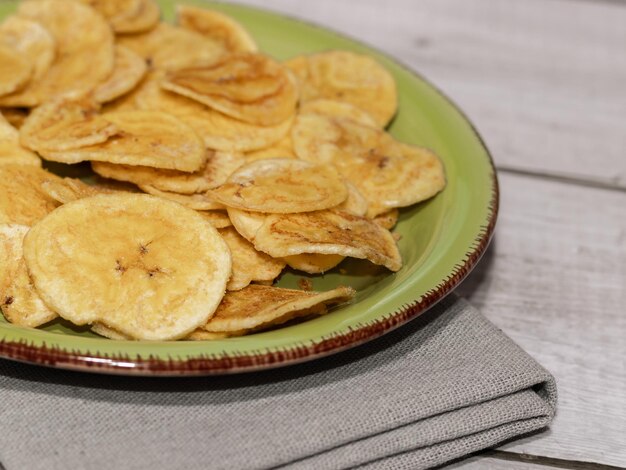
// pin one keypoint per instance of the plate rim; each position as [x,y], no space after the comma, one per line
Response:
[123,364]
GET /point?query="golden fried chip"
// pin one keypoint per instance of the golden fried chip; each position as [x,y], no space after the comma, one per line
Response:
[198,201]
[248,264]
[167,46]
[70,189]
[355,203]
[313,263]
[128,16]
[11,151]
[337,109]
[31,40]
[387,219]
[22,201]
[217,218]
[281,185]
[347,76]
[103,330]
[84,55]
[148,138]
[215,171]
[128,72]
[202,335]
[218,131]
[281,149]
[65,124]
[327,232]
[246,223]
[19,301]
[388,173]
[145,267]
[15,70]
[250,87]
[258,307]
[217,26]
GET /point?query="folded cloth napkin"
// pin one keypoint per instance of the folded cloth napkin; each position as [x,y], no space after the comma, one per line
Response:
[445,385]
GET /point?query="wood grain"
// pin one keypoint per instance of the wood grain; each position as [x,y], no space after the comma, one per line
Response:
[554,279]
[544,80]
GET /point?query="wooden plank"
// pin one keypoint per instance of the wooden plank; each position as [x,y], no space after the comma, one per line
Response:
[542,79]
[554,279]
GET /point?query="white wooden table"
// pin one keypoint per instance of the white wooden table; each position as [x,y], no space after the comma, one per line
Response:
[545,83]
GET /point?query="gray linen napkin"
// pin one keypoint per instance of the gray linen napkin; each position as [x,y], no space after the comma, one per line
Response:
[446,385]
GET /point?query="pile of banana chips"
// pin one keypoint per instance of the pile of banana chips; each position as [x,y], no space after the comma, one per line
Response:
[214,167]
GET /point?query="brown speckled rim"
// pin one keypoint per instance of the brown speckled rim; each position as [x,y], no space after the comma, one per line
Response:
[230,364]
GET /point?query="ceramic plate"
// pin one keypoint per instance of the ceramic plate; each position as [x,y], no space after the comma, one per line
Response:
[442,240]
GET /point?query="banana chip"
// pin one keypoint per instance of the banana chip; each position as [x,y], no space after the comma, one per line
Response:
[355,203]
[199,201]
[66,124]
[128,72]
[338,109]
[281,185]
[19,301]
[248,264]
[347,76]
[202,335]
[328,232]
[15,116]
[11,151]
[246,223]
[70,189]
[246,86]
[167,46]
[22,201]
[387,219]
[84,51]
[258,307]
[216,26]
[15,70]
[388,173]
[313,263]
[216,170]
[119,260]
[281,149]
[217,218]
[128,16]
[103,330]
[147,138]
[219,131]
[31,40]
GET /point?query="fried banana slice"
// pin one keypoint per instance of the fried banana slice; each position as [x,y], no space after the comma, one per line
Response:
[145,267]
[216,170]
[22,200]
[31,40]
[217,218]
[355,203]
[19,301]
[129,69]
[167,46]
[219,131]
[103,330]
[65,124]
[250,87]
[199,201]
[337,109]
[259,307]
[128,16]
[387,219]
[246,223]
[15,70]
[388,173]
[148,138]
[11,151]
[313,263]
[248,264]
[84,51]
[281,149]
[281,185]
[203,335]
[347,76]
[70,189]
[217,26]
[328,232]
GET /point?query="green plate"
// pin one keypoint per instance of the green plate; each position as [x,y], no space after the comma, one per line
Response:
[442,240]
